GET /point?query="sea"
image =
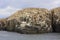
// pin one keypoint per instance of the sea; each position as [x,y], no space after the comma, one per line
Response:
[4,35]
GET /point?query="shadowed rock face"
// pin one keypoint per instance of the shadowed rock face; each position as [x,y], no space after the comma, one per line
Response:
[3,24]
[56,19]
[31,20]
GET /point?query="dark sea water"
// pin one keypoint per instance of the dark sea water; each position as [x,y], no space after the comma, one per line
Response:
[4,35]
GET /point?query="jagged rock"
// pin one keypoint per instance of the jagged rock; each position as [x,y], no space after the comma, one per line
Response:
[56,19]
[31,20]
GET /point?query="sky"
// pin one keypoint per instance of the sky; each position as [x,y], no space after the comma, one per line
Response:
[8,7]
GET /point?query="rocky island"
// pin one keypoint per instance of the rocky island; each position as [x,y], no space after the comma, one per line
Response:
[32,21]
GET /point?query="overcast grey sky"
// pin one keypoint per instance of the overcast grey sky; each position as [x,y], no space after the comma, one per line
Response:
[7,7]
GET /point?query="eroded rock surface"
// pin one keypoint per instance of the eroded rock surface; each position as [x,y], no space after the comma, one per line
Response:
[30,20]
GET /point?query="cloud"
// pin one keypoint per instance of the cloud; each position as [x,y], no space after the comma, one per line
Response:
[55,3]
[35,3]
[30,3]
[7,7]
[7,11]
[27,3]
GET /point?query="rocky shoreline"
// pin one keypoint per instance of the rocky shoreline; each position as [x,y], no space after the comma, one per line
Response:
[32,21]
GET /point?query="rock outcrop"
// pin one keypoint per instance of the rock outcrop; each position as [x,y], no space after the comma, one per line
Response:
[3,24]
[30,20]
[56,19]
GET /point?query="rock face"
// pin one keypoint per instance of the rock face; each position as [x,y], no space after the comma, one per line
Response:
[56,19]
[30,20]
[3,24]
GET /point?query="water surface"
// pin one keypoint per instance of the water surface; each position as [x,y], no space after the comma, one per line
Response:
[4,35]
